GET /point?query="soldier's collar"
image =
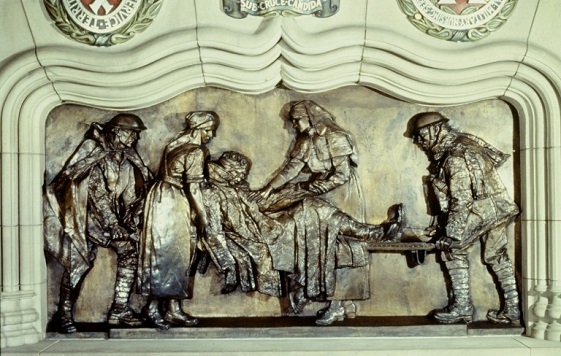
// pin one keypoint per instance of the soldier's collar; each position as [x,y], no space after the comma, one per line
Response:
[443,145]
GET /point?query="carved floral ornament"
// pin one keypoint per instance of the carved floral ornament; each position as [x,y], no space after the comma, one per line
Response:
[102,22]
[458,20]
[267,8]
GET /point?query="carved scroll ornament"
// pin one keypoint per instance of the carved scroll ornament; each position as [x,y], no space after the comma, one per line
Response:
[319,8]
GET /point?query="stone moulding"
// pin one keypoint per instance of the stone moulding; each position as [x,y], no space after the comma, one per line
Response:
[441,22]
[67,23]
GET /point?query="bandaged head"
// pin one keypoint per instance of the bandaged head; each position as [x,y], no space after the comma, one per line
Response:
[197,120]
[229,166]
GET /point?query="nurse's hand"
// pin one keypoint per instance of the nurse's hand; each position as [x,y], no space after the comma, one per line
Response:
[261,194]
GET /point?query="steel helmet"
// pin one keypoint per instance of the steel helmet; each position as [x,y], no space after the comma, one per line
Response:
[421,120]
[127,122]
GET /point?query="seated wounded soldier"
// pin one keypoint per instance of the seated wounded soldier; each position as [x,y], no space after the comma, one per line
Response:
[301,240]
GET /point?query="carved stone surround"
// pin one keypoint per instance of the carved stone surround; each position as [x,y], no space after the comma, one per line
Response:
[193,44]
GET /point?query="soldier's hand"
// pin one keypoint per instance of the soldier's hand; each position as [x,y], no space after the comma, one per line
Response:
[431,231]
[201,224]
[440,185]
[135,236]
[119,233]
[130,223]
[444,243]
[201,231]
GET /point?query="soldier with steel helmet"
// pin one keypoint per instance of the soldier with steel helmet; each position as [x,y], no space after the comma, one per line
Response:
[96,200]
[470,203]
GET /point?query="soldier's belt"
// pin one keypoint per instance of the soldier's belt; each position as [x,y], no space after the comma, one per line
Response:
[400,246]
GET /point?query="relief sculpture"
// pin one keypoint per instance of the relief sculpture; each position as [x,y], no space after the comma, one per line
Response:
[174,218]
[326,152]
[96,200]
[302,239]
[470,204]
[301,236]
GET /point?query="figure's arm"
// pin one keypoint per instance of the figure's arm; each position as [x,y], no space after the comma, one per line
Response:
[81,161]
[193,166]
[102,207]
[214,240]
[340,175]
[196,199]
[460,197]
[289,170]
[340,150]
[133,200]
[213,211]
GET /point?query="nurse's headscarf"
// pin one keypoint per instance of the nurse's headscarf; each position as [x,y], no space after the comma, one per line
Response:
[320,119]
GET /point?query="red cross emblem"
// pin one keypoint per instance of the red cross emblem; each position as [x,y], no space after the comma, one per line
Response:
[459,5]
[101,7]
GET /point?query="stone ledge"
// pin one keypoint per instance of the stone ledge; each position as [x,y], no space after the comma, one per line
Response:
[290,327]
[433,346]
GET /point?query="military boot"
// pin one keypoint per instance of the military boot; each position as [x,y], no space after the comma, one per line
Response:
[63,317]
[120,312]
[350,309]
[361,231]
[298,300]
[230,280]
[348,305]
[153,315]
[460,309]
[510,314]
[335,312]
[393,225]
[175,315]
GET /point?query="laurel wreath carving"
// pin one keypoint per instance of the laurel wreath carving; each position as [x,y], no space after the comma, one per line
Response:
[138,23]
[474,34]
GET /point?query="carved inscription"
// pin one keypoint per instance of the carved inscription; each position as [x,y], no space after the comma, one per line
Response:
[102,22]
[91,18]
[319,8]
[458,20]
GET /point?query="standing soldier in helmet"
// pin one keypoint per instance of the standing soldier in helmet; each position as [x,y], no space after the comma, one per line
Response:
[96,200]
[473,204]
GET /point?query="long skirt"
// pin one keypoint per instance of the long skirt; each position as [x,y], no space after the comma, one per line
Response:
[324,267]
[167,243]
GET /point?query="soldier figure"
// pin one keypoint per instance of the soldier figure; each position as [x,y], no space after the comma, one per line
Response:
[96,200]
[473,204]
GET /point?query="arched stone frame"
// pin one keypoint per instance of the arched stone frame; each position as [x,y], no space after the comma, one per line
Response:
[307,55]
